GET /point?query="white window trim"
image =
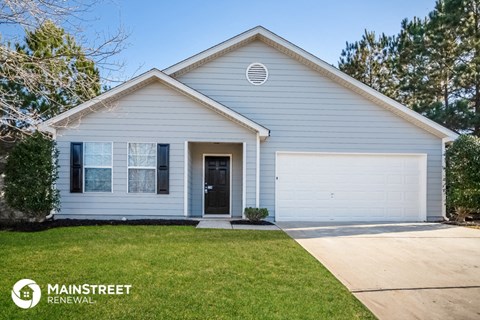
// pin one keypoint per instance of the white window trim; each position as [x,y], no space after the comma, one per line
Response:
[150,168]
[84,182]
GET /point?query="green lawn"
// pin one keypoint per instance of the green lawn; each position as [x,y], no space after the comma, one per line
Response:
[175,273]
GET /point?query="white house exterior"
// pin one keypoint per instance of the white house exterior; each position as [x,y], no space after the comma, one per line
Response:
[252,122]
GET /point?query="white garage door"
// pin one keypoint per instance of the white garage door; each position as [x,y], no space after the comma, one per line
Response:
[350,187]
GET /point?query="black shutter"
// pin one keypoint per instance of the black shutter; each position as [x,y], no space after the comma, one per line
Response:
[76,167]
[163,168]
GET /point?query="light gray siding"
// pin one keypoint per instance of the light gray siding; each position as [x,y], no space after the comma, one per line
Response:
[154,113]
[306,111]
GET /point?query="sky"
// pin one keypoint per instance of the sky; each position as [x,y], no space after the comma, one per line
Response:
[164,32]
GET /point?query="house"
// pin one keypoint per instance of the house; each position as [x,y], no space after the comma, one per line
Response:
[252,122]
[26,293]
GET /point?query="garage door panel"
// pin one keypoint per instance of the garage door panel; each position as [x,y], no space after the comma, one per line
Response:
[411,196]
[394,179]
[411,179]
[395,212]
[395,196]
[350,187]
[359,197]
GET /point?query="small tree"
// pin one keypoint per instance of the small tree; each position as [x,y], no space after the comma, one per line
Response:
[463,175]
[30,175]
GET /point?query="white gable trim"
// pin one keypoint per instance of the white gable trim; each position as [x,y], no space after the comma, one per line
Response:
[268,37]
[146,78]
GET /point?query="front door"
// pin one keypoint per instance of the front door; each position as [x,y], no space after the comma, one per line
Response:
[217,185]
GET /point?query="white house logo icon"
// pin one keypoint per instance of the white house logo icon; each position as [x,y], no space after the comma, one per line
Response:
[26,293]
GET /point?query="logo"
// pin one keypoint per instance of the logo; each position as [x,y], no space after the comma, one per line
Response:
[26,293]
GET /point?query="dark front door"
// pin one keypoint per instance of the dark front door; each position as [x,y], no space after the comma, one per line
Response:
[217,185]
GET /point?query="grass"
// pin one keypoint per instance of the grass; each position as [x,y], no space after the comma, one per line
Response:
[175,273]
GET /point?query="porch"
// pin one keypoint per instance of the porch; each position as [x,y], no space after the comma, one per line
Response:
[216,183]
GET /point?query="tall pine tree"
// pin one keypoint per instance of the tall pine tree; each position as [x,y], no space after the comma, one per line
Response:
[463,20]
[443,51]
[63,75]
[434,64]
[412,65]
[371,60]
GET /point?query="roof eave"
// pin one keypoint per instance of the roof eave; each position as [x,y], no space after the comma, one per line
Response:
[209,53]
[42,127]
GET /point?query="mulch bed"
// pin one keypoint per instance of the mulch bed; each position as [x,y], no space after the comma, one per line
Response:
[471,220]
[248,222]
[40,226]
[475,223]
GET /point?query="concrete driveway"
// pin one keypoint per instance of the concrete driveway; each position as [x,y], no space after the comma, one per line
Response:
[402,270]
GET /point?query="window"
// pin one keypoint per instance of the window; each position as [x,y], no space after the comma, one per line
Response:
[142,163]
[97,159]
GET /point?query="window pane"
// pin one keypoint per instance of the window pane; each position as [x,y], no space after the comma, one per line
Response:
[141,180]
[98,154]
[98,180]
[142,154]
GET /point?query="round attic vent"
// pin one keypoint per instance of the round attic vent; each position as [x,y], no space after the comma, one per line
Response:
[257,74]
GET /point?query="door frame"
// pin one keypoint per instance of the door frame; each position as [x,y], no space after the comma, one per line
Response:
[204,155]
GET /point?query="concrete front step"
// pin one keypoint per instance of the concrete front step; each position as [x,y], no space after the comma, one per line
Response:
[225,224]
[214,224]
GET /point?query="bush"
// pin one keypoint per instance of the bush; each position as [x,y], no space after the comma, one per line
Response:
[463,176]
[256,214]
[30,176]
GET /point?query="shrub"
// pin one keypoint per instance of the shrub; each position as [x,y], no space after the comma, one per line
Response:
[256,214]
[463,175]
[30,176]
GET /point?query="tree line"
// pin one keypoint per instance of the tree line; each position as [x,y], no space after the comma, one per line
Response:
[432,65]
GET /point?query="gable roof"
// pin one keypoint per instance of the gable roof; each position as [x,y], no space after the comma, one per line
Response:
[286,47]
[141,81]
